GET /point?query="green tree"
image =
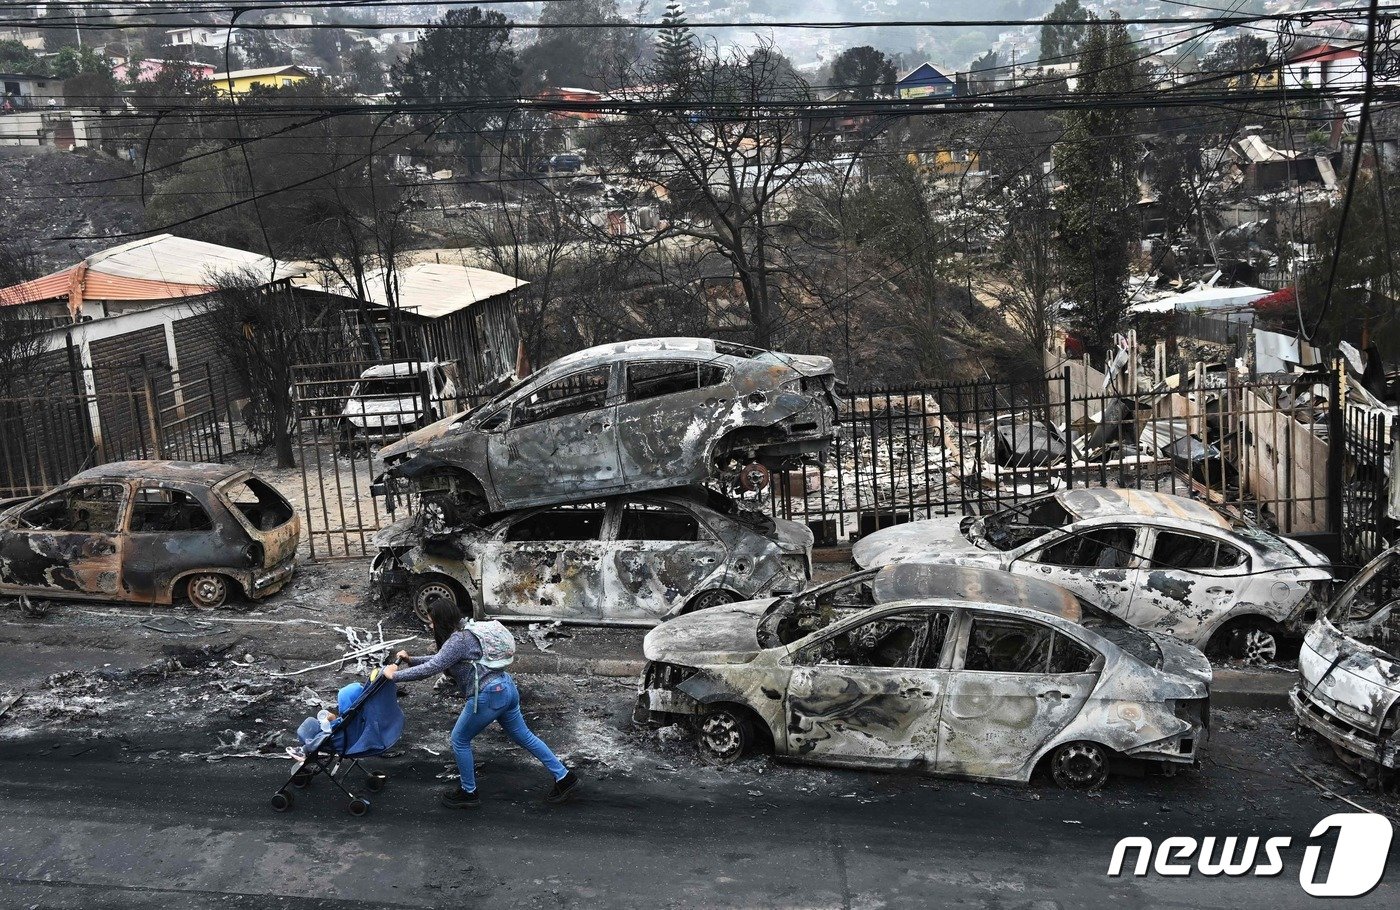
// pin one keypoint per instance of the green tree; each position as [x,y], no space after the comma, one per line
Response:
[365,69]
[16,58]
[1096,161]
[1062,41]
[585,57]
[863,71]
[675,46]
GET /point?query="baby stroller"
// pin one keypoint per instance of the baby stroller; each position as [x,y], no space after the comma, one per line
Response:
[370,726]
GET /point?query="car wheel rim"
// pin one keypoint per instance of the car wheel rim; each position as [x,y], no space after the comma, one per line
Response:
[1258,646]
[208,591]
[1080,765]
[721,735]
[430,592]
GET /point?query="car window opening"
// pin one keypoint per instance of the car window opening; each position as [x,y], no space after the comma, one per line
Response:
[565,523]
[1009,528]
[390,387]
[1016,646]
[162,511]
[651,379]
[649,521]
[1187,551]
[1375,600]
[263,506]
[92,508]
[573,394]
[908,641]
[1101,548]
[796,617]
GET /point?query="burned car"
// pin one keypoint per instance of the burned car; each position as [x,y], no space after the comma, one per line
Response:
[1348,688]
[949,670]
[626,560]
[1163,563]
[151,532]
[390,400]
[634,416]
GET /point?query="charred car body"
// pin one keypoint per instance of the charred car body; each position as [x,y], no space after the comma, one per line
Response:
[1163,563]
[627,560]
[634,416]
[151,532]
[1349,675]
[949,670]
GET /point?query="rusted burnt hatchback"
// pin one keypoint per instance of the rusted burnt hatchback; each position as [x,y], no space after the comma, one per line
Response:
[950,670]
[1349,672]
[151,532]
[627,560]
[634,416]
[1164,563]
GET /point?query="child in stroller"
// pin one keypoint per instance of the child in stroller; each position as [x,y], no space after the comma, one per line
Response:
[369,723]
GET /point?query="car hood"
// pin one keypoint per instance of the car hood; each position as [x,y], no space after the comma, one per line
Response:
[806,364]
[1356,681]
[928,540]
[419,439]
[406,533]
[718,635]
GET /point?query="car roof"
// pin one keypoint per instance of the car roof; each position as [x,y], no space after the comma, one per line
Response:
[917,580]
[402,368]
[197,472]
[1109,503]
[640,347]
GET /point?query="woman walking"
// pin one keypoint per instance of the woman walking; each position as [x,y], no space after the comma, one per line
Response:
[492,696]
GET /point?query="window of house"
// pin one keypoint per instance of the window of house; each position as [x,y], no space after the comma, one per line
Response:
[1189,551]
[157,510]
[667,377]
[653,521]
[572,394]
[571,522]
[1101,548]
[95,507]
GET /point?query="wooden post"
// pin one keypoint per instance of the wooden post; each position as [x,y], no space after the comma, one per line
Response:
[1336,448]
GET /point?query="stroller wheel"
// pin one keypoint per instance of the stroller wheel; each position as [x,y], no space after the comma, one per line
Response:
[302,779]
[359,806]
[376,782]
[281,801]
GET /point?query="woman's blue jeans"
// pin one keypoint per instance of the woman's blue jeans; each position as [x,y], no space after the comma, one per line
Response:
[499,701]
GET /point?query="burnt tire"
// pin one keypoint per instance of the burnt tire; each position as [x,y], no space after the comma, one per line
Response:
[434,587]
[1255,641]
[208,590]
[717,597]
[724,735]
[1079,766]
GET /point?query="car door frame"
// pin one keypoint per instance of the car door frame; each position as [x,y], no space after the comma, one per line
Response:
[1219,603]
[1113,595]
[568,557]
[921,688]
[953,762]
[707,407]
[165,572]
[613,588]
[499,445]
[69,540]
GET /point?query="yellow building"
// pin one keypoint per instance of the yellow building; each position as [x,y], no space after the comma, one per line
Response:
[241,82]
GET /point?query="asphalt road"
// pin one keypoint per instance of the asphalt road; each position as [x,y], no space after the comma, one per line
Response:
[126,822]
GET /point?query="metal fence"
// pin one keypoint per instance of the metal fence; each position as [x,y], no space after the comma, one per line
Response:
[1259,450]
[58,428]
[1366,482]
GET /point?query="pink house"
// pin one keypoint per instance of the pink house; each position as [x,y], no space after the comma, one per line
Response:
[148,70]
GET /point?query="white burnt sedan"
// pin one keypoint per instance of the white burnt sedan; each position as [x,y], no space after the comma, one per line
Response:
[945,669]
[1163,563]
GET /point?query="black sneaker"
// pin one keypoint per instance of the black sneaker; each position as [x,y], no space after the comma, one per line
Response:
[564,788]
[457,798]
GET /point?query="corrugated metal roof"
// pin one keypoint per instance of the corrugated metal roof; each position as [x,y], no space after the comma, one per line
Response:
[162,267]
[260,71]
[429,289]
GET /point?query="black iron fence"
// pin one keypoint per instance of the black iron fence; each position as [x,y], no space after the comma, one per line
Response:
[1258,450]
[64,423]
[1263,451]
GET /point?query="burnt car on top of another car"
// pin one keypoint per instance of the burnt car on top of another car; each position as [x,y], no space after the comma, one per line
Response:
[151,532]
[1163,563]
[950,670]
[1348,688]
[624,560]
[634,416]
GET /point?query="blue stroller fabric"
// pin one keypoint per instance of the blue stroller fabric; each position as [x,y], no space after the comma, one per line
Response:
[371,725]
